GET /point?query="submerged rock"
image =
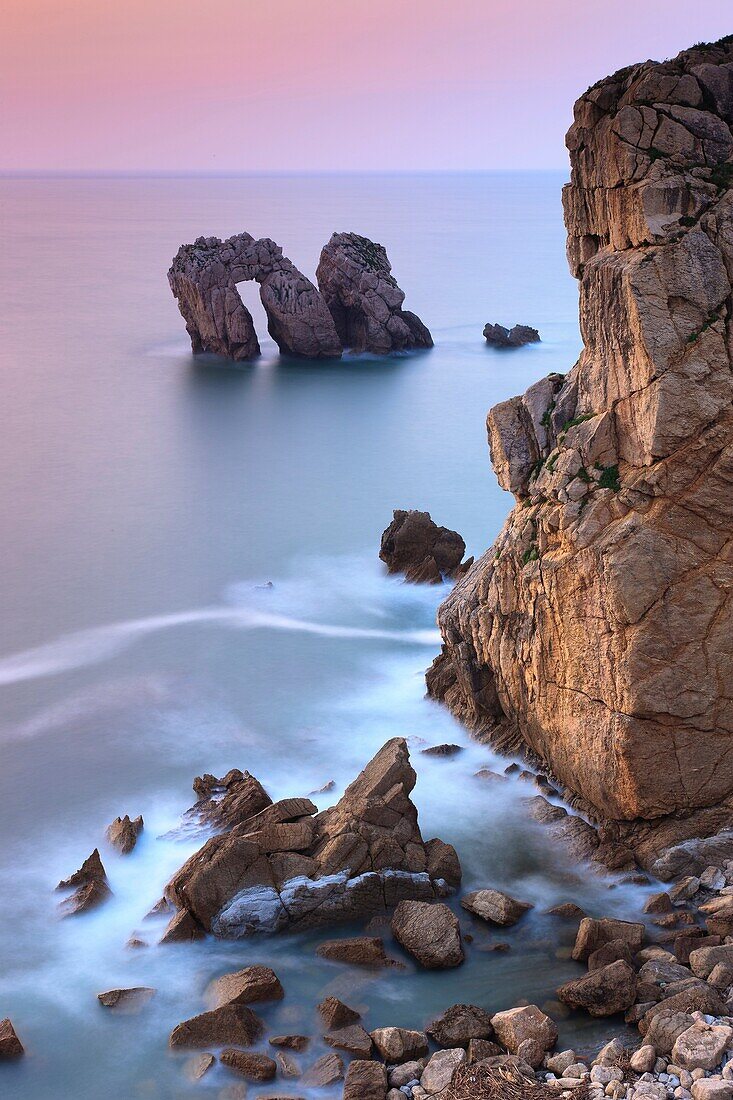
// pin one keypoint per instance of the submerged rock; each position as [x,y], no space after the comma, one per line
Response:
[126,1000]
[228,1024]
[516,337]
[359,951]
[253,1067]
[622,471]
[244,987]
[495,907]
[414,545]
[123,833]
[356,281]
[288,866]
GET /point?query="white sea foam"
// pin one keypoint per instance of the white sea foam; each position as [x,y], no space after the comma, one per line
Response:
[89,647]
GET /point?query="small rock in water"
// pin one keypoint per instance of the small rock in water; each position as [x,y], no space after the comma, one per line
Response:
[326,1071]
[10,1044]
[359,951]
[248,986]
[568,910]
[429,932]
[495,906]
[415,546]
[253,1067]
[229,1024]
[200,1064]
[290,1042]
[89,884]
[335,1014]
[123,833]
[516,337]
[442,750]
[330,786]
[399,1044]
[126,1000]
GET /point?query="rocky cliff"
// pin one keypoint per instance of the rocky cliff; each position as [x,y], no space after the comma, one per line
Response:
[597,632]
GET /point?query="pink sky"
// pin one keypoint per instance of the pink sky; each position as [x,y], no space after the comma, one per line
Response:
[252,85]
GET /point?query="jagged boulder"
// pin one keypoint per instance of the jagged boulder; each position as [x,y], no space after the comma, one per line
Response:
[204,277]
[413,544]
[622,471]
[123,833]
[89,885]
[517,337]
[288,866]
[355,278]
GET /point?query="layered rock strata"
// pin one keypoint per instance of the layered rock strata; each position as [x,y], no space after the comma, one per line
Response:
[597,633]
[204,277]
[284,865]
[355,278]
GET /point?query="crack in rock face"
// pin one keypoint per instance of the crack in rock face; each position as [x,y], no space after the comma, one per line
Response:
[597,632]
[358,306]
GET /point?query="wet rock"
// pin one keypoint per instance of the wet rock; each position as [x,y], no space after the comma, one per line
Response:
[610,952]
[443,864]
[516,1025]
[359,951]
[593,934]
[442,750]
[516,337]
[123,833]
[495,907]
[203,278]
[326,1071]
[365,1081]
[335,1014]
[253,1067]
[243,987]
[229,1024]
[429,932]
[199,1065]
[602,992]
[126,1000]
[658,903]
[413,542]
[182,928]
[352,1038]
[439,1071]
[567,910]
[399,1044]
[356,281]
[290,1042]
[289,866]
[10,1044]
[459,1024]
[288,1066]
[89,884]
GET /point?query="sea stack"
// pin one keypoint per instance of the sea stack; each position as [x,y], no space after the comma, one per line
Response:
[597,632]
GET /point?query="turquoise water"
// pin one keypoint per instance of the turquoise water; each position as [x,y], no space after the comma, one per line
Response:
[145,497]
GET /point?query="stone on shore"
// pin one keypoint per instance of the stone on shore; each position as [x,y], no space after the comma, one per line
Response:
[459,1024]
[353,1039]
[602,992]
[365,1081]
[289,866]
[517,1025]
[702,1046]
[495,907]
[123,833]
[428,932]
[234,1024]
[243,987]
[415,546]
[355,278]
[516,337]
[10,1044]
[399,1044]
[440,1069]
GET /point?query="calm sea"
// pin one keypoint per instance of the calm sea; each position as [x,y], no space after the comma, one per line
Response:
[147,498]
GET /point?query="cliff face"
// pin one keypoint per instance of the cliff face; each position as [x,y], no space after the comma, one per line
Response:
[598,630]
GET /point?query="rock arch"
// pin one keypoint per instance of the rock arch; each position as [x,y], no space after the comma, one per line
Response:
[204,277]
